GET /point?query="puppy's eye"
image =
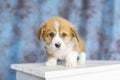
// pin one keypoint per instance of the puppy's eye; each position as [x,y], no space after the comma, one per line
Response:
[51,34]
[64,34]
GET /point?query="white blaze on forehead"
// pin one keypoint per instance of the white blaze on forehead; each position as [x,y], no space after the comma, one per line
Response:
[57,38]
[57,30]
[57,26]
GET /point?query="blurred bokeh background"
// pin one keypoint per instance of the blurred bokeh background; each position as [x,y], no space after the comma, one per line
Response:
[97,21]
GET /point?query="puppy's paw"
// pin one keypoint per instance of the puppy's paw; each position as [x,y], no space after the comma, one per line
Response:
[51,63]
[82,59]
[71,64]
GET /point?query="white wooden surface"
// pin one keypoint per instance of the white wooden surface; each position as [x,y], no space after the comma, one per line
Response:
[92,70]
[24,76]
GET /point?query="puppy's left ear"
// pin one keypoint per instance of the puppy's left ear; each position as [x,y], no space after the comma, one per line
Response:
[74,33]
[41,32]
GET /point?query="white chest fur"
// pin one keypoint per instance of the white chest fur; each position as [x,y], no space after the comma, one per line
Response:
[61,54]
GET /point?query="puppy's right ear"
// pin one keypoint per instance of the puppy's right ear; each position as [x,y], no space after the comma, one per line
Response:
[74,33]
[41,32]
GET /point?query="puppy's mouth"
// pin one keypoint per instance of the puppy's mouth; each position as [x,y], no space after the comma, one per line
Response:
[56,47]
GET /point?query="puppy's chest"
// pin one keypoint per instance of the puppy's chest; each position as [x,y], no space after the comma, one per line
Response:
[61,54]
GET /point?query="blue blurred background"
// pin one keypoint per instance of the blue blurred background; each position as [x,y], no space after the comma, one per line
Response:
[97,21]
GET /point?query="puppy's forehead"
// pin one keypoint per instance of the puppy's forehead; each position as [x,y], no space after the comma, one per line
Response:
[52,25]
[58,23]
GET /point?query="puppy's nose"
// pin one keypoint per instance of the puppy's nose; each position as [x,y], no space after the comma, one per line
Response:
[57,45]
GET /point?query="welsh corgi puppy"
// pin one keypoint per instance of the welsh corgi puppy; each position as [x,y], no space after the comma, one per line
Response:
[62,41]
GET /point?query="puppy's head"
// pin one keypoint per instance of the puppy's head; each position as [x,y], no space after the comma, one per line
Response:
[57,33]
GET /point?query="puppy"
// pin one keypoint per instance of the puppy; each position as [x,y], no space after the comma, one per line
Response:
[62,42]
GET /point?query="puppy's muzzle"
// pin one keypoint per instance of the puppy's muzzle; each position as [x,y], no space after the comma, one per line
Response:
[57,45]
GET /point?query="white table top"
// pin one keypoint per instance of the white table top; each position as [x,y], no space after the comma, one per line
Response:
[40,70]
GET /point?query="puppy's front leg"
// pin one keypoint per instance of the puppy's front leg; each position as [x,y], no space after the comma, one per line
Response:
[51,61]
[71,59]
[82,58]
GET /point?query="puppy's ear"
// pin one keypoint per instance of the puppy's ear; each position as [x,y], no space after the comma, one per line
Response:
[41,32]
[74,33]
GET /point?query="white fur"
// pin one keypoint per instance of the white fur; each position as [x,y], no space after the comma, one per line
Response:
[67,54]
[61,54]
[57,26]
[51,62]
[71,59]
[82,57]
[57,38]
